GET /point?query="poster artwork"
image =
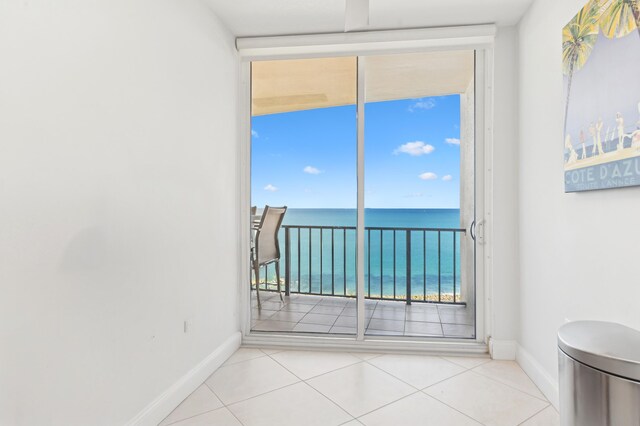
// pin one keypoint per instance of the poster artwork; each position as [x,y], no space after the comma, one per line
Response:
[601,67]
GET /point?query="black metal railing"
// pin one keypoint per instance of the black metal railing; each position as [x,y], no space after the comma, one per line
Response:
[407,264]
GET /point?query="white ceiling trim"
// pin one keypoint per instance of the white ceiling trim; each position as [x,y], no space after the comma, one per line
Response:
[366,42]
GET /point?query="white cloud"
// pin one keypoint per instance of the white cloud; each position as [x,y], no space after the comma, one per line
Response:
[254,134]
[452,141]
[414,148]
[428,176]
[270,188]
[447,178]
[311,170]
[427,103]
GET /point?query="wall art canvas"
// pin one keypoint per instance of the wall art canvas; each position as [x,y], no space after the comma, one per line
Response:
[601,67]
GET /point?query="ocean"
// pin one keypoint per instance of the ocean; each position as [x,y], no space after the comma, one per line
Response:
[323,261]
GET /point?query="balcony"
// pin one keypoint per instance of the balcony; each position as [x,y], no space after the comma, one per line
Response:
[413,283]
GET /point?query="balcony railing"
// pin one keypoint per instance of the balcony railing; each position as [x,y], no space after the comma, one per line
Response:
[402,264]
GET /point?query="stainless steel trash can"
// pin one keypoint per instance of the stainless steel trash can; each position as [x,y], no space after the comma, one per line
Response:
[599,374]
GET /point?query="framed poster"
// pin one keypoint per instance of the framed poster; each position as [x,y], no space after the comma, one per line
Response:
[601,67]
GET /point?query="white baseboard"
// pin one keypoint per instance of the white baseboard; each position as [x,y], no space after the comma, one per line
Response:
[371,344]
[538,375]
[503,349]
[160,408]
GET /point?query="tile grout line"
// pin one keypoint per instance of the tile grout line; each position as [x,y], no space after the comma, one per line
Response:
[433,384]
[440,318]
[423,391]
[425,322]
[386,405]
[234,415]
[344,409]
[281,365]
[376,355]
[244,360]
[446,404]
[454,408]
[428,396]
[398,378]
[261,394]
[199,414]
[533,415]
[488,360]
[322,374]
[404,329]
[528,377]
[284,304]
[332,401]
[215,409]
[264,393]
[314,306]
[305,382]
[508,385]
[338,316]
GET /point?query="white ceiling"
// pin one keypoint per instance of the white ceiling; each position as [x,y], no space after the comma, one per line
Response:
[280,17]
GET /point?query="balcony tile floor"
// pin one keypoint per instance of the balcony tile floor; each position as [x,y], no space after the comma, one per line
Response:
[337,315]
[289,387]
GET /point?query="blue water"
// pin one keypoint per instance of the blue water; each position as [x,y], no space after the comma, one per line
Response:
[415,218]
[324,261]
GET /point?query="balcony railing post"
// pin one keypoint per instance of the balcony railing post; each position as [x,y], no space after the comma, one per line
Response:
[321,251]
[408,266]
[368,250]
[439,269]
[287,262]
[454,267]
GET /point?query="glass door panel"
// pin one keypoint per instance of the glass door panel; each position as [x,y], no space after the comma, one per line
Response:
[419,196]
[303,156]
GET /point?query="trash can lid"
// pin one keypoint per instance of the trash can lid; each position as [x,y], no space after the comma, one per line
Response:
[609,347]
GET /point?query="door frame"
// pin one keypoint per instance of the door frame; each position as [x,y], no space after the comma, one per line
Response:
[479,38]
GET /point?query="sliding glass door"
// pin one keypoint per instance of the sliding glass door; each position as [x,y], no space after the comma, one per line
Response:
[417,180]
[303,156]
[419,196]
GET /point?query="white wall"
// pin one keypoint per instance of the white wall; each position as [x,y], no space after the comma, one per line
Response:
[505,188]
[118,215]
[578,252]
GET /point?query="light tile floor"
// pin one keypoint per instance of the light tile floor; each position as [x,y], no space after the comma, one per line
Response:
[273,387]
[337,315]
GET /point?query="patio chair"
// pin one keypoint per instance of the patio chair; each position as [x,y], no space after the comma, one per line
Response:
[254,227]
[266,248]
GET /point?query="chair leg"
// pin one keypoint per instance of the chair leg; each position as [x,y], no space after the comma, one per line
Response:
[278,279]
[256,271]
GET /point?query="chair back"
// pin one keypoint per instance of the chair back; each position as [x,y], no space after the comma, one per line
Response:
[267,245]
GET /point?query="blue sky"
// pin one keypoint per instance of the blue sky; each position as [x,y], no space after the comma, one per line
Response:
[307,159]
